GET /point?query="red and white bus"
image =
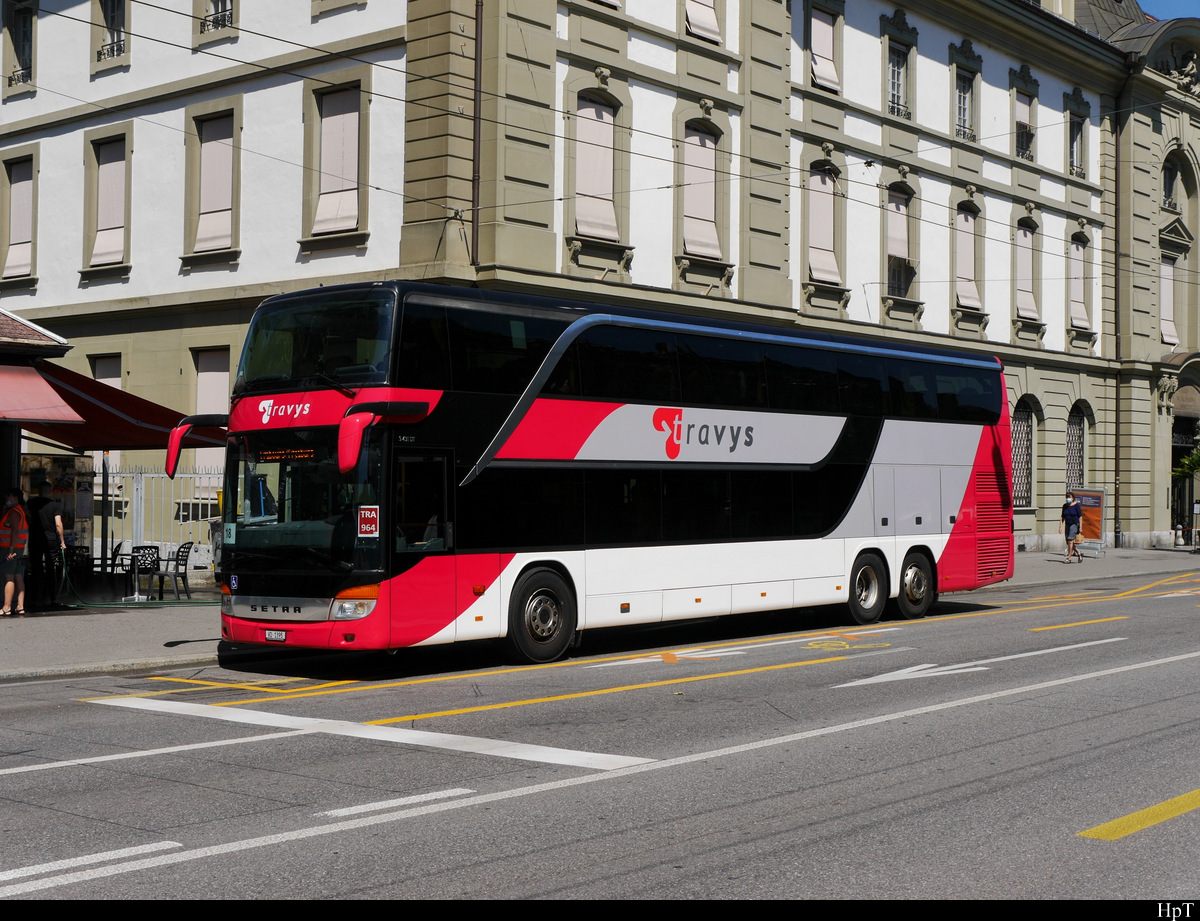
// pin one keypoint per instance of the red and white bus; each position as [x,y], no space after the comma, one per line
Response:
[414,464]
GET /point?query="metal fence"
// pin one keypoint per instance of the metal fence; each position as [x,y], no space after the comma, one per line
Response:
[146,507]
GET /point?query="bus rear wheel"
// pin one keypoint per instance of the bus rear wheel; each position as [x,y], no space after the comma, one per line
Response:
[917,591]
[541,616]
[867,589]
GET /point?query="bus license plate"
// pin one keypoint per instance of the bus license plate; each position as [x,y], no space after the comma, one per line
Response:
[276,636]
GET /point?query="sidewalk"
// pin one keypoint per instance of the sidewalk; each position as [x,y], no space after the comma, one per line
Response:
[149,635]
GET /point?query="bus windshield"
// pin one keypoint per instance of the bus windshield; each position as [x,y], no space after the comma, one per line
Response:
[286,503]
[335,337]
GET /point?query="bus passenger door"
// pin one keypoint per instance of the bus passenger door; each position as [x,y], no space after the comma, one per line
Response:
[422,601]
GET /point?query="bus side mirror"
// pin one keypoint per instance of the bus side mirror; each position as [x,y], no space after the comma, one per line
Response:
[174,446]
[359,416]
[181,431]
[350,437]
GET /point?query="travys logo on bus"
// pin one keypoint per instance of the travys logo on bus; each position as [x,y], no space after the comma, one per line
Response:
[682,432]
[283,411]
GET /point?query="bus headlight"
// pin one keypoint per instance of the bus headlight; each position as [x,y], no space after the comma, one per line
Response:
[226,600]
[354,603]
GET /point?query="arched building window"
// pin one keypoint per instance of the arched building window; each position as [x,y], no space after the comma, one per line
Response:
[1022,454]
[1176,263]
[1076,447]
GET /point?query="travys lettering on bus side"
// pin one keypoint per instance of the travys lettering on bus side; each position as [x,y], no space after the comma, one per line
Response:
[670,421]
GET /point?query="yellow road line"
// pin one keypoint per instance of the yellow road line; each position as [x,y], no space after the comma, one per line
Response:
[194,684]
[1134,591]
[1079,623]
[250,686]
[599,691]
[643,655]
[141,694]
[299,693]
[1144,818]
[775,638]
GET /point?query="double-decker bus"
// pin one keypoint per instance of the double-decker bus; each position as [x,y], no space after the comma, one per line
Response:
[414,464]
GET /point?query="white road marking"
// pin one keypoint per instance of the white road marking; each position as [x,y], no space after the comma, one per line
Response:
[932,671]
[469,744]
[151,752]
[717,653]
[393,803]
[90,858]
[234,847]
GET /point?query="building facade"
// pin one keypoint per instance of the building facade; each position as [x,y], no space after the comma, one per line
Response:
[998,176]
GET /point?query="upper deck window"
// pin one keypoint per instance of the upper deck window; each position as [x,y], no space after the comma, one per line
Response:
[310,342]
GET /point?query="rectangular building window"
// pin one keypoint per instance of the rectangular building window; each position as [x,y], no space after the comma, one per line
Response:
[214,222]
[218,15]
[899,264]
[110,199]
[823,29]
[212,396]
[18,253]
[822,260]
[700,236]
[20,25]
[1166,301]
[107,370]
[965,242]
[1079,313]
[964,105]
[1170,178]
[595,214]
[898,81]
[112,36]
[1024,129]
[1025,282]
[337,202]
[1075,146]
[214,21]
[701,18]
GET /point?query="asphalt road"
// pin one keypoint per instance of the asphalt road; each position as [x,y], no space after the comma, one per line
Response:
[1021,743]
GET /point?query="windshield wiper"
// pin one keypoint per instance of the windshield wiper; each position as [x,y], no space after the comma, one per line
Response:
[326,379]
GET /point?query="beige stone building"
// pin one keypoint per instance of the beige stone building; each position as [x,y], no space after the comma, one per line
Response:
[999,176]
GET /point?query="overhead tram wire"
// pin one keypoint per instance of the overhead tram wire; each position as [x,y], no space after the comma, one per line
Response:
[1002,238]
[467,86]
[453,211]
[785,173]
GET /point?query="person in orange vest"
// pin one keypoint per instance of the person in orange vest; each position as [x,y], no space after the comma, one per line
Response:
[14,535]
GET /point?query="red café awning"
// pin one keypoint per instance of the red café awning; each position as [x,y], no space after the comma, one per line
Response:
[111,419]
[25,397]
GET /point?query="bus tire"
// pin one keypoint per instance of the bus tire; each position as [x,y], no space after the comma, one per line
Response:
[917,589]
[541,616]
[868,589]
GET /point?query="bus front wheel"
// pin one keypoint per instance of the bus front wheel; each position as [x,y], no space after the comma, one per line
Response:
[867,589]
[917,591]
[541,616]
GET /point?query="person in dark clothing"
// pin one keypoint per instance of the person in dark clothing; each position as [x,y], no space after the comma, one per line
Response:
[1072,515]
[14,536]
[46,542]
